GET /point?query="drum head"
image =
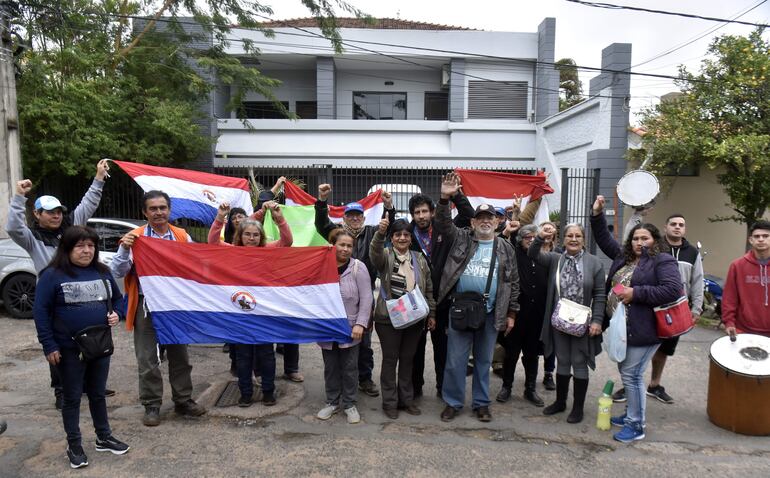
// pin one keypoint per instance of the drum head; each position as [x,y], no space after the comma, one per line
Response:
[637,188]
[748,355]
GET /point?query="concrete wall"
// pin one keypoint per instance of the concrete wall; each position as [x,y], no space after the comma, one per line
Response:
[546,76]
[699,198]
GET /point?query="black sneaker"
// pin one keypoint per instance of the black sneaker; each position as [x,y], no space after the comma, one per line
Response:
[77,456]
[659,392]
[369,388]
[548,382]
[268,399]
[189,408]
[112,445]
[619,396]
[245,402]
[151,416]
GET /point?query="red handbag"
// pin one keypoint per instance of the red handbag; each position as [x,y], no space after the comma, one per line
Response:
[673,319]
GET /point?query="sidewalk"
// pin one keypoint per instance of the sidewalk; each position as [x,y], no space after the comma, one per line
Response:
[288,440]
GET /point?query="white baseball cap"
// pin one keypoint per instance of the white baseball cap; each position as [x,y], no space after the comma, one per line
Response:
[49,203]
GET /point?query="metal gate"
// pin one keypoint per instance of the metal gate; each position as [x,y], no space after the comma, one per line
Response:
[579,188]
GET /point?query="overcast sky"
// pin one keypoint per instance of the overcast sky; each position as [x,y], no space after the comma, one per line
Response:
[582,31]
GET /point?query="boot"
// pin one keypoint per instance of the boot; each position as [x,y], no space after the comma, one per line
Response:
[530,379]
[548,381]
[562,390]
[578,400]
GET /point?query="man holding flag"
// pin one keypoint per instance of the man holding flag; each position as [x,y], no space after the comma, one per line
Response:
[353,221]
[156,207]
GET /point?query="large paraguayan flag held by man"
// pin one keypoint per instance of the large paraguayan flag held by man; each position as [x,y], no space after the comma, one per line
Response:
[201,293]
[194,195]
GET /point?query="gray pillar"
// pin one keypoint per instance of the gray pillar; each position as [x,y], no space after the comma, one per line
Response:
[616,58]
[457,90]
[325,88]
[546,91]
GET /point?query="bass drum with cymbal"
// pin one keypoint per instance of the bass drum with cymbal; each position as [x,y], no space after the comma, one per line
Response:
[739,384]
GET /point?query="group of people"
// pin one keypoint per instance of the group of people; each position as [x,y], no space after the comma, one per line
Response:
[488,276]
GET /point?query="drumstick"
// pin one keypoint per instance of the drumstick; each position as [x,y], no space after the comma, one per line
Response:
[733,338]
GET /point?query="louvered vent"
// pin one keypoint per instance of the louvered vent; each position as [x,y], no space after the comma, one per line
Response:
[497,99]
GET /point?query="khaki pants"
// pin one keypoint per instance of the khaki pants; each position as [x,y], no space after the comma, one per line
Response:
[148,364]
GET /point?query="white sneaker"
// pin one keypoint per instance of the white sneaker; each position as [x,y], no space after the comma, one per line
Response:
[326,412]
[353,415]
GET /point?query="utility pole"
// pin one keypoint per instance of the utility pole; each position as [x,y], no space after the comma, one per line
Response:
[10,155]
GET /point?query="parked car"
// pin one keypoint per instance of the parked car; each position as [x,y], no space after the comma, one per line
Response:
[17,273]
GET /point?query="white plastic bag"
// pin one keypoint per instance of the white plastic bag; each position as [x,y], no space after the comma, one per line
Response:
[615,337]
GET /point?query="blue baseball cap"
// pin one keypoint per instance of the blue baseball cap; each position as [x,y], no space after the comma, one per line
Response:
[500,211]
[354,207]
[49,203]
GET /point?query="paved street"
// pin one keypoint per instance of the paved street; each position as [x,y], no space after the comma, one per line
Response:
[289,441]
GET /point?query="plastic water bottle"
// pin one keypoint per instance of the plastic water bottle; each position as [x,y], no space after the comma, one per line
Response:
[605,407]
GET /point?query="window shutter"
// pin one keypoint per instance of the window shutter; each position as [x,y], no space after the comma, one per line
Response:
[497,99]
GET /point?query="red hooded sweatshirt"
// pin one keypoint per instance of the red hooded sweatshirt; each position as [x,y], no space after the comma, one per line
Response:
[745,298]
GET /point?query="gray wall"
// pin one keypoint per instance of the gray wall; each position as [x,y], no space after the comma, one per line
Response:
[546,77]
[325,88]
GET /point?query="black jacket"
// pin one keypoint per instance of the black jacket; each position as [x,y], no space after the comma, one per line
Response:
[440,247]
[361,246]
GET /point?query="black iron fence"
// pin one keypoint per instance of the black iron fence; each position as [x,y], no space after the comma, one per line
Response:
[121,197]
[579,188]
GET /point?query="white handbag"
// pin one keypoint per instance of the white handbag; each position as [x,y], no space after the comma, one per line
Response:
[411,307]
[569,316]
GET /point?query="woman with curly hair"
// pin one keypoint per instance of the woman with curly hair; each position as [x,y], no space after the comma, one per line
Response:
[641,277]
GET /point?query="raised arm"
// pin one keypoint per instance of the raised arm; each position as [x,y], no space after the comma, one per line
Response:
[450,186]
[377,246]
[16,227]
[322,223]
[284,230]
[215,232]
[535,249]
[602,236]
[93,196]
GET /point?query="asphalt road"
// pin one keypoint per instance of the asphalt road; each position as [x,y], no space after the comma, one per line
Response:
[288,440]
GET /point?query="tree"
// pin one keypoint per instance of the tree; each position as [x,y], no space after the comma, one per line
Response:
[570,87]
[720,121]
[126,78]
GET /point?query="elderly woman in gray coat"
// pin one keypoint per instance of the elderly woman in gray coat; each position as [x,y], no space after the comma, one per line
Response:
[581,279]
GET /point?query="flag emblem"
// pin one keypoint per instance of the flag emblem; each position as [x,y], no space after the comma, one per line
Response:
[242,300]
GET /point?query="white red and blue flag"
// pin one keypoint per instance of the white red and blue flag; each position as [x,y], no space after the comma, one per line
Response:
[201,293]
[194,195]
[499,188]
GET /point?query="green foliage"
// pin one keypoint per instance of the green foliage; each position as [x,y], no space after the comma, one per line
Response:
[570,86]
[100,78]
[721,121]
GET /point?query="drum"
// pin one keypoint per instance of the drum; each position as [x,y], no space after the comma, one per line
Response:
[638,188]
[739,384]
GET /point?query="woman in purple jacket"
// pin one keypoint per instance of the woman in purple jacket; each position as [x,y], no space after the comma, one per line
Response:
[341,359]
[641,277]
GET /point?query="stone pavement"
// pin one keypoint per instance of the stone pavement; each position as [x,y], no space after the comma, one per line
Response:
[287,440]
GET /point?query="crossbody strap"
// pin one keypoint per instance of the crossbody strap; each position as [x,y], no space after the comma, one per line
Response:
[558,277]
[492,263]
[108,288]
[416,268]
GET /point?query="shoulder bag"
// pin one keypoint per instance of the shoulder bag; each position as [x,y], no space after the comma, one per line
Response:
[411,307]
[569,316]
[95,341]
[674,319]
[468,311]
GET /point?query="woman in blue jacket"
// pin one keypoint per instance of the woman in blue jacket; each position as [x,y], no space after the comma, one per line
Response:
[641,277]
[72,294]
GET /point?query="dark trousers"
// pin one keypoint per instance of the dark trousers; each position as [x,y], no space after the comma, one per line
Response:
[365,358]
[290,358]
[549,363]
[438,338]
[250,358]
[515,344]
[398,348]
[341,375]
[55,380]
[77,376]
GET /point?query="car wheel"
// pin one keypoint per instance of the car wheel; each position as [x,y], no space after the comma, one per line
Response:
[19,295]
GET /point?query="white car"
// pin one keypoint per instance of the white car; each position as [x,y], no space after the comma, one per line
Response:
[17,273]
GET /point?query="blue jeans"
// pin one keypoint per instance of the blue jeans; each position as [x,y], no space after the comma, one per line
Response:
[632,374]
[76,377]
[250,358]
[459,345]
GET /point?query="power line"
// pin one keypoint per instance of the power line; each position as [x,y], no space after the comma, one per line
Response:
[612,6]
[707,32]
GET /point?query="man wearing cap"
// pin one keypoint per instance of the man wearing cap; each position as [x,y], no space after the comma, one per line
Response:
[467,269]
[42,239]
[353,222]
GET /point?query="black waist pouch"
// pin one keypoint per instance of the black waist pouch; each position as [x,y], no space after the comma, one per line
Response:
[94,342]
[467,311]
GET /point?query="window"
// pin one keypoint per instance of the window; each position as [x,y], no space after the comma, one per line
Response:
[379,106]
[436,106]
[264,110]
[307,109]
[497,100]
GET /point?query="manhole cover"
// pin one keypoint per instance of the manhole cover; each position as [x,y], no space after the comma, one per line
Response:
[230,395]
